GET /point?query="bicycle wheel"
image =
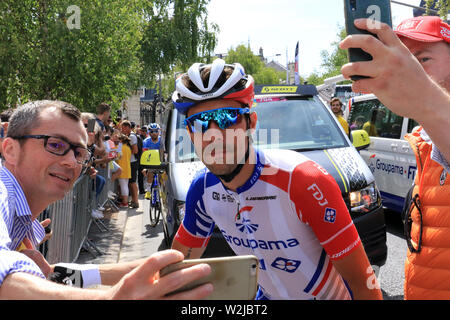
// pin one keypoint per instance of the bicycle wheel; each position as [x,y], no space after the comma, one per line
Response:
[154,208]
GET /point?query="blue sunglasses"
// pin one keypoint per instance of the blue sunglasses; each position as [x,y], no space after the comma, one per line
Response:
[224,117]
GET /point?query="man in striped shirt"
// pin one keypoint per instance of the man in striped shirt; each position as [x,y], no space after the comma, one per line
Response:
[44,153]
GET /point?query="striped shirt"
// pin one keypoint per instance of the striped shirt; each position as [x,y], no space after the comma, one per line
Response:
[16,224]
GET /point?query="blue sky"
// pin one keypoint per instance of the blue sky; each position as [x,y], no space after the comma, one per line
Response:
[277,25]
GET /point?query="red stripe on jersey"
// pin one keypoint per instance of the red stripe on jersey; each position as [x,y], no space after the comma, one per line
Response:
[280,179]
[318,197]
[247,208]
[187,239]
[324,279]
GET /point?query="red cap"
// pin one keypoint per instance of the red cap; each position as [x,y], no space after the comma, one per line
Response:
[424,29]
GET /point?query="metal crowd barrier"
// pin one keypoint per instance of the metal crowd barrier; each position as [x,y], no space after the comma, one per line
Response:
[71,219]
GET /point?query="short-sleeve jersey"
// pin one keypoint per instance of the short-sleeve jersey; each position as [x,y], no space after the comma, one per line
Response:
[149,144]
[290,214]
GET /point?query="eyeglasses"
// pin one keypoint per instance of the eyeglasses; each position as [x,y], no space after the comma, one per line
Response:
[60,147]
[153,131]
[224,117]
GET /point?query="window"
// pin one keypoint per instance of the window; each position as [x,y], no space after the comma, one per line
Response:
[299,124]
[412,124]
[376,119]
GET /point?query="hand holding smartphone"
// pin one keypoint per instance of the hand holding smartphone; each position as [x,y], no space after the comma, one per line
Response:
[91,125]
[233,278]
[376,10]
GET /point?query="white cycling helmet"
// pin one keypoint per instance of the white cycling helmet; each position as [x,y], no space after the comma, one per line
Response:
[183,98]
[153,126]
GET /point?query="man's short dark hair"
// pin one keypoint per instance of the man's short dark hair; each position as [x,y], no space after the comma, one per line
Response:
[103,107]
[27,116]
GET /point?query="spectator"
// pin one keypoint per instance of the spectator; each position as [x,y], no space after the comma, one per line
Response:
[113,168]
[142,135]
[410,74]
[370,126]
[45,151]
[103,114]
[336,107]
[358,124]
[92,171]
[126,129]
[123,160]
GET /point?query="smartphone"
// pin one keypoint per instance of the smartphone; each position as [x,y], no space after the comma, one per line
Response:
[91,125]
[233,278]
[378,10]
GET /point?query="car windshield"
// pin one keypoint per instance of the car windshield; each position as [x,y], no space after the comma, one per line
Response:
[296,124]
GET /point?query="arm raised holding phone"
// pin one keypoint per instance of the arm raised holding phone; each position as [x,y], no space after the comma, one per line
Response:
[410,74]
[411,78]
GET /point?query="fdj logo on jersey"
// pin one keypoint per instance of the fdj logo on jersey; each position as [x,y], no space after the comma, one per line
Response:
[330,215]
[287,265]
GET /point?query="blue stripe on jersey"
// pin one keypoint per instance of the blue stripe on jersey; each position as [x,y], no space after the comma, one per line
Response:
[211,180]
[348,288]
[196,220]
[255,175]
[260,294]
[317,273]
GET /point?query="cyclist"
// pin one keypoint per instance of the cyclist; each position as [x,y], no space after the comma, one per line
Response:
[153,142]
[275,204]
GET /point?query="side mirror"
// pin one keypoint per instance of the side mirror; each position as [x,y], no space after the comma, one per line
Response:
[361,139]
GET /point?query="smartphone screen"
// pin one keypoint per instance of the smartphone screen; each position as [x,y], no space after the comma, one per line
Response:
[377,11]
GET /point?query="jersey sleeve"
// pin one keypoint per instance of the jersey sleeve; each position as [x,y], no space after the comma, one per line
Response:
[197,226]
[318,202]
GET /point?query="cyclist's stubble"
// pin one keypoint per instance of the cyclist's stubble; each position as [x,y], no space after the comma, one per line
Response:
[221,150]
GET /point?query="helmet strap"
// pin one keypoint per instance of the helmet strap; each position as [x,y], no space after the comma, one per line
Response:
[230,176]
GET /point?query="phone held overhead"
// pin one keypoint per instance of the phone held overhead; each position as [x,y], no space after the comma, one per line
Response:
[91,125]
[376,10]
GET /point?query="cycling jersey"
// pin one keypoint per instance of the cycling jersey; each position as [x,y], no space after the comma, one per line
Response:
[290,214]
[149,144]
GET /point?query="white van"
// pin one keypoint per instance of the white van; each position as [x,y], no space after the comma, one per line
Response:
[389,156]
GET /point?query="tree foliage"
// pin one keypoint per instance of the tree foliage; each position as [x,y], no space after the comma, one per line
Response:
[177,33]
[442,6]
[118,45]
[253,65]
[44,58]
